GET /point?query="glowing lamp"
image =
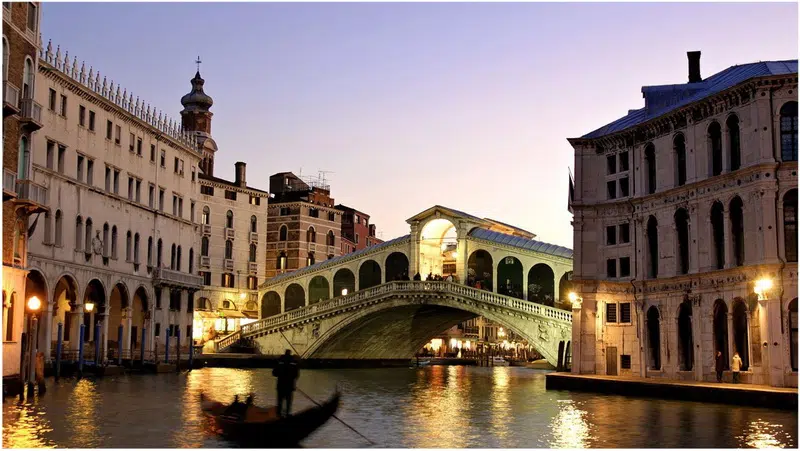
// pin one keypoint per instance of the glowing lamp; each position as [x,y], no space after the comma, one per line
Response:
[575,300]
[89,307]
[344,291]
[761,288]
[242,295]
[34,303]
[455,254]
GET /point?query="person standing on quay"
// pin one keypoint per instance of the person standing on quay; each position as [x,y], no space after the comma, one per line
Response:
[736,366]
[719,366]
[287,373]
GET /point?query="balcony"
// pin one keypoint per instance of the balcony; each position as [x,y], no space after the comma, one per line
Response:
[9,184]
[312,247]
[228,264]
[31,196]
[176,279]
[281,245]
[10,99]
[229,233]
[206,229]
[331,250]
[254,237]
[205,262]
[30,116]
[253,267]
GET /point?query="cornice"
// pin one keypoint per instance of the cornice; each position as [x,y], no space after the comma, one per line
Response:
[274,206]
[216,184]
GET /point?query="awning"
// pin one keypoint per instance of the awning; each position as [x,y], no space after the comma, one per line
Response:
[231,314]
[206,314]
[251,315]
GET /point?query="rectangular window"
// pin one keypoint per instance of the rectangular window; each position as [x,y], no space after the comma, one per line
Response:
[132,145]
[611,268]
[191,212]
[180,207]
[625,361]
[158,305]
[611,164]
[52,104]
[356,238]
[624,164]
[116,181]
[252,283]
[151,196]
[331,217]
[230,195]
[82,116]
[90,172]
[51,150]
[193,173]
[625,312]
[108,179]
[174,205]
[611,235]
[33,16]
[139,146]
[623,187]
[611,313]
[138,191]
[176,166]
[284,211]
[161,199]
[62,151]
[91,120]
[163,159]
[206,277]
[118,136]
[130,188]
[255,200]
[109,129]
[153,153]
[313,212]
[612,189]
[64,105]
[625,267]
[624,233]
[79,173]
[207,190]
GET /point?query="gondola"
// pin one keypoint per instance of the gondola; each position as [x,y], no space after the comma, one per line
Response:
[262,427]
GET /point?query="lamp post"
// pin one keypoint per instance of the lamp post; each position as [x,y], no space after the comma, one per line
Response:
[34,304]
[577,321]
[770,324]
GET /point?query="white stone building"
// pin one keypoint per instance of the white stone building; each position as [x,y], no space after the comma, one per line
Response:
[121,229]
[680,207]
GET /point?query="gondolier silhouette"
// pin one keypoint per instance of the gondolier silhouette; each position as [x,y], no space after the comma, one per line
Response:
[287,373]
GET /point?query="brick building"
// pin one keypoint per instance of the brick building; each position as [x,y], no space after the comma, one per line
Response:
[357,232]
[22,198]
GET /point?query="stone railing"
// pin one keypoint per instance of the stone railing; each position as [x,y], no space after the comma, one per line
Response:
[31,191]
[227,341]
[170,277]
[10,94]
[327,306]
[9,180]
[30,110]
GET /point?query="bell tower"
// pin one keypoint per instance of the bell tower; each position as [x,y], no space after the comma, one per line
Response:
[196,118]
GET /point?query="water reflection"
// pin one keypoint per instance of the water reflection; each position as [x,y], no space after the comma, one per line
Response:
[570,427]
[501,404]
[761,434]
[81,413]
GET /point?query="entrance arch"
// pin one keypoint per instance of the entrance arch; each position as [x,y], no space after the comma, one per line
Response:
[65,300]
[344,279]
[270,304]
[36,285]
[509,277]
[480,268]
[295,297]
[721,331]
[654,338]
[437,248]
[139,314]
[396,266]
[96,294]
[740,332]
[318,290]
[117,302]
[369,275]
[541,284]
[685,341]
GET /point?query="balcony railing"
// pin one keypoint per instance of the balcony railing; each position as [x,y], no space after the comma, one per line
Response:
[31,114]
[10,98]
[229,233]
[253,267]
[31,192]
[228,264]
[312,247]
[206,229]
[331,250]
[164,276]
[254,237]
[9,183]
[205,262]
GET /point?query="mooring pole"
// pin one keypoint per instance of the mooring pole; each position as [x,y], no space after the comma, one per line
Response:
[119,345]
[81,333]
[178,345]
[191,354]
[144,339]
[59,345]
[97,343]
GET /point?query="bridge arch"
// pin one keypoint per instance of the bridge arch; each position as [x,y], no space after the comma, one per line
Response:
[438,241]
[344,279]
[318,290]
[294,298]
[270,304]
[509,277]
[480,269]
[369,274]
[564,287]
[396,266]
[541,284]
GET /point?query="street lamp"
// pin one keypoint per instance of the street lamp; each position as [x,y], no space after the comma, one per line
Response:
[89,307]
[344,291]
[761,288]
[575,300]
[242,295]
[34,304]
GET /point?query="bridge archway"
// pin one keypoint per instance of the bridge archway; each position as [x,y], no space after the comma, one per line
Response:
[318,290]
[369,275]
[396,266]
[295,297]
[480,268]
[270,304]
[344,279]
[437,247]
[541,281]
[509,277]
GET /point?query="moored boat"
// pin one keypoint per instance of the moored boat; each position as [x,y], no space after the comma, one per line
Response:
[262,427]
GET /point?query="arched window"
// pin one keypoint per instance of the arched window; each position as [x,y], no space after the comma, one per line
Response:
[178,262]
[191,260]
[790,225]
[114,242]
[253,224]
[206,217]
[715,147]
[204,246]
[172,256]
[106,240]
[78,233]
[281,261]
[737,230]
[682,228]
[793,333]
[652,247]
[5,58]
[331,238]
[283,234]
[128,246]
[311,235]
[159,253]
[23,158]
[229,219]
[228,249]
[310,259]
[27,79]
[59,227]
[720,327]
[734,144]
[87,242]
[789,131]
[136,248]
[679,146]
[685,340]
[718,234]
[253,248]
[48,233]
[150,251]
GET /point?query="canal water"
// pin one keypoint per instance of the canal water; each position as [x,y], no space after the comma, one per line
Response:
[433,407]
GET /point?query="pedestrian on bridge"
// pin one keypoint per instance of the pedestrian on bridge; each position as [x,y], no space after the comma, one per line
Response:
[287,373]
[417,276]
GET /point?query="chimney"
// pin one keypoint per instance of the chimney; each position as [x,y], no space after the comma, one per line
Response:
[694,67]
[241,179]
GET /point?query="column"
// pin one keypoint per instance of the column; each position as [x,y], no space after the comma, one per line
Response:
[697,341]
[772,359]
[694,241]
[577,333]
[495,264]
[104,317]
[46,328]
[75,326]
[525,285]
[355,274]
[731,346]
[728,237]
[127,316]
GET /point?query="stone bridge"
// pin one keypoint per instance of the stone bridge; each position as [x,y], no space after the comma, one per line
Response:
[395,319]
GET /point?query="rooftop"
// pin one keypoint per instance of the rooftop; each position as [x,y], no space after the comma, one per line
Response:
[520,242]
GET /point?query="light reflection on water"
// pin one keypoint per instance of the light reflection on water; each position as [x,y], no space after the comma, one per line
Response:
[430,407]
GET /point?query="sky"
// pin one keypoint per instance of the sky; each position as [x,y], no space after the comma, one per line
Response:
[408,105]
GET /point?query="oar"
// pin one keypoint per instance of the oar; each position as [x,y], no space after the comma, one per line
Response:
[318,404]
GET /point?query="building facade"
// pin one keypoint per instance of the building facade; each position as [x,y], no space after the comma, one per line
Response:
[685,231]
[357,232]
[303,227]
[114,250]
[22,197]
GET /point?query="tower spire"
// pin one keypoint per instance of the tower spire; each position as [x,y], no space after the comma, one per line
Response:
[197,61]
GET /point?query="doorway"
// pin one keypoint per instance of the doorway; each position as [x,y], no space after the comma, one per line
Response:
[611,361]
